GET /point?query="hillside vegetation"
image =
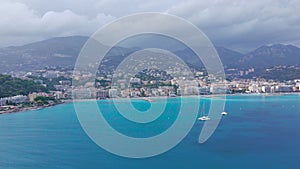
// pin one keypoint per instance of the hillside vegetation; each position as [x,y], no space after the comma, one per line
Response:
[10,86]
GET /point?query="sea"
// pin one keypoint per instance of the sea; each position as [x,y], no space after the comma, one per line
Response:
[259,132]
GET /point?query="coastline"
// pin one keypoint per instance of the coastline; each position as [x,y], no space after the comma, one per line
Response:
[149,99]
[25,109]
[154,98]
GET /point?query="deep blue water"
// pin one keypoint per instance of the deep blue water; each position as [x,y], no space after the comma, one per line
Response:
[261,132]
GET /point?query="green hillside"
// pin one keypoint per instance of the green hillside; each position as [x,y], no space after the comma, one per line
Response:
[14,86]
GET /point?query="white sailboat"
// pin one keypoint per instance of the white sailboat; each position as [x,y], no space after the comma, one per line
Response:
[203,117]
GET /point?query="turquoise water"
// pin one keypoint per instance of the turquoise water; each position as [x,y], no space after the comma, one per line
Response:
[260,132]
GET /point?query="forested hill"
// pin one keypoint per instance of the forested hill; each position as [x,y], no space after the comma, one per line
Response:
[14,86]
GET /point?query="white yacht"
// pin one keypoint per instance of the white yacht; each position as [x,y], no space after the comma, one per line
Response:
[204,117]
[224,113]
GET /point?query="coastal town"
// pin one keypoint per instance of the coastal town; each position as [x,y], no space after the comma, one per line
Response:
[147,83]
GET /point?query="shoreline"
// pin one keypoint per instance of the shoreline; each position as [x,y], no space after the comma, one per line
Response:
[154,98]
[149,99]
[25,109]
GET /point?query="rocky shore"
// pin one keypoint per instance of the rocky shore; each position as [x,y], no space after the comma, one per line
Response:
[15,109]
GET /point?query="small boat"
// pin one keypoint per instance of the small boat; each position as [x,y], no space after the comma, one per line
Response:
[204,117]
[148,99]
[224,113]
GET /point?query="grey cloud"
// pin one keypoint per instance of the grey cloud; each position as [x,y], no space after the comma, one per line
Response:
[231,23]
[19,24]
[243,24]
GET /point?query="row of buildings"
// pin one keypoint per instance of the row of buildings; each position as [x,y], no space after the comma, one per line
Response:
[263,86]
[19,99]
[181,83]
[13,100]
[192,89]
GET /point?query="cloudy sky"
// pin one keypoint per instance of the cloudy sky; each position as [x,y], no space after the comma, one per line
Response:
[237,24]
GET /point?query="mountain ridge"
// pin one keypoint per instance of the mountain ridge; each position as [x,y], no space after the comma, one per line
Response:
[63,51]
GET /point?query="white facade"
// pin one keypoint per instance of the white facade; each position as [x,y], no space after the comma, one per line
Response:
[14,99]
[112,93]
